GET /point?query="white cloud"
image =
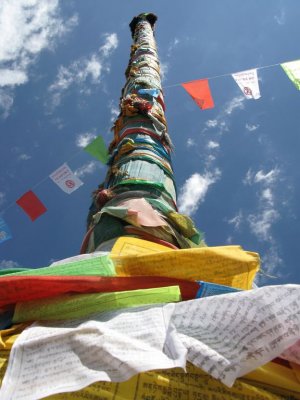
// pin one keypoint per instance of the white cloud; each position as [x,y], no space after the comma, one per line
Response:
[24,157]
[281,18]
[165,58]
[229,240]
[212,145]
[7,264]
[194,190]
[237,103]
[211,123]
[190,142]
[248,178]
[267,195]
[209,160]
[224,127]
[86,169]
[268,177]
[270,261]
[114,111]
[260,176]
[26,28]
[222,120]
[251,128]
[261,223]
[111,43]
[10,77]
[174,43]
[84,70]
[6,102]
[164,68]
[237,220]
[84,139]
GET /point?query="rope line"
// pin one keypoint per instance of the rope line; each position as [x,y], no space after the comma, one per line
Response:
[228,74]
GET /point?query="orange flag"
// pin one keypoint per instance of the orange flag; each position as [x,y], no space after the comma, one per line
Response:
[200,92]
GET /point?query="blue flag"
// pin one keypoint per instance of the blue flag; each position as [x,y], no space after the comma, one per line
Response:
[5,233]
[208,289]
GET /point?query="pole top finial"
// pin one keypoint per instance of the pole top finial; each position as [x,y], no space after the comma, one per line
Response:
[150,17]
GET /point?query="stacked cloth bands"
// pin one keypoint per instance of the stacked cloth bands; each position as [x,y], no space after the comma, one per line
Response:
[138,197]
[148,322]
[149,312]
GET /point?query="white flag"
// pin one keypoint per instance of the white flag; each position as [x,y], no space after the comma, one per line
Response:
[248,82]
[65,179]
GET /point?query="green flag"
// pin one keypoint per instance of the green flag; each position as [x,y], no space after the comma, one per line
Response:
[292,69]
[98,149]
[84,305]
[100,265]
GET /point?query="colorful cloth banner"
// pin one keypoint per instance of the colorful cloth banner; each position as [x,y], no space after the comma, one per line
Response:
[200,92]
[17,289]
[98,149]
[248,83]
[85,305]
[261,321]
[65,179]
[5,233]
[292,69]
[208,289]
[31,205]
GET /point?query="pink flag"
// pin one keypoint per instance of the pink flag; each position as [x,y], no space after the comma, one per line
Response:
[200,92]
[32,205]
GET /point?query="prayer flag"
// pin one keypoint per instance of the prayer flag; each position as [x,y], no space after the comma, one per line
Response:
[17,288]
[248,83]
[292,69]
[32,205]
[200,93]
[98,149]
[65,179]
[4,231]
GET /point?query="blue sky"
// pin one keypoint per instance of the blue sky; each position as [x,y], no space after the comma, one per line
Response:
[62,68]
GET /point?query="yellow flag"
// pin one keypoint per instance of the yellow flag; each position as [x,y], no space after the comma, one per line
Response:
[224,265]
[127,245]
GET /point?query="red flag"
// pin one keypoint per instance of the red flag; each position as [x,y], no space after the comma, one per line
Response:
[200,92]
[14,289]
[32,205]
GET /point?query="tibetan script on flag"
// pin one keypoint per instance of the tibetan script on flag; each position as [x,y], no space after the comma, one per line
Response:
[248,83]
[66,179]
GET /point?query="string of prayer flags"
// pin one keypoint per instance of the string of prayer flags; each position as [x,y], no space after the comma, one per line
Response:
[248,83]
[292,69]
[66,179]
[5,233]
[31,205]
[200,92]
[98,149]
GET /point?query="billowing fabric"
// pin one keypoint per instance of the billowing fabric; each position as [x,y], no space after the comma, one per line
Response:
[165,335]
[264,318]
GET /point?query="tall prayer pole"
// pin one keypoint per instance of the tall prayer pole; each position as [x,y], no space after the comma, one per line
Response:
[138,196]
[111,352]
